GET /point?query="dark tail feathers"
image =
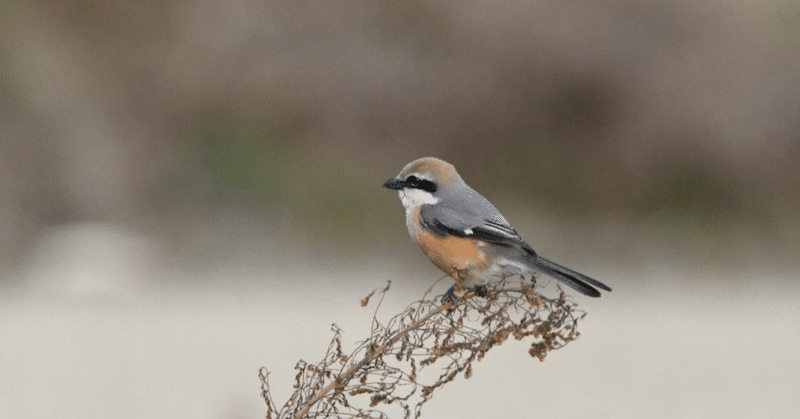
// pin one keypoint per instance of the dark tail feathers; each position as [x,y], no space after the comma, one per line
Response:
[575,280]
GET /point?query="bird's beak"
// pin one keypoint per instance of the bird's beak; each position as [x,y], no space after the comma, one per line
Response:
[394,184]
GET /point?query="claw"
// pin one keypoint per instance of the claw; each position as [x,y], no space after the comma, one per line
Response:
[449,296]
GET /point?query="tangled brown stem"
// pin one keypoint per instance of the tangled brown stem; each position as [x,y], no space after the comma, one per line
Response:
[424,347]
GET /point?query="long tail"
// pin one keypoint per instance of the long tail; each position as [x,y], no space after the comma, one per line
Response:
[575,280]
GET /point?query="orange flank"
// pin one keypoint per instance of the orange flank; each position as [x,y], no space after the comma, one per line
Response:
[462,258]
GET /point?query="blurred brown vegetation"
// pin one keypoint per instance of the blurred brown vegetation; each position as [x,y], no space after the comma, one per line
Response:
[159,114]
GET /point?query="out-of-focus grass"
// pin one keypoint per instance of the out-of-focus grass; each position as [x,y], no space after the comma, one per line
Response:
[671,116]
[239,162]
[258,168]
[686,198]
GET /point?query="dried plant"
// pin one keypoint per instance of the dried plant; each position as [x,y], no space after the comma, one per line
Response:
[398,368]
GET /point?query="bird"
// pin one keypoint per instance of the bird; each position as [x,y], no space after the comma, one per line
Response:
[465,236]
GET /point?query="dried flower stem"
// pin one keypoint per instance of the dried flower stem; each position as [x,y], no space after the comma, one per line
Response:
[369,358]
[425,337]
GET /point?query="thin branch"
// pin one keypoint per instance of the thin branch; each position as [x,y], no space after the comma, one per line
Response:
[422,348]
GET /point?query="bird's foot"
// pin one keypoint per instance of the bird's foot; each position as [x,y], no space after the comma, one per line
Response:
[449,296]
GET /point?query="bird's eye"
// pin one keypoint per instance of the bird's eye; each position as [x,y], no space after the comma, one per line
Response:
[422,184]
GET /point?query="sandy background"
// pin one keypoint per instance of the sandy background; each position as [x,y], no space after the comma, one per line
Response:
[112,341]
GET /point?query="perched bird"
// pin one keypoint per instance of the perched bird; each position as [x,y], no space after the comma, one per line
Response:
[464,235]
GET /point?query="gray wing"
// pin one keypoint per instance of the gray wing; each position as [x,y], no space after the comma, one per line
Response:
[471,215]
[468,214]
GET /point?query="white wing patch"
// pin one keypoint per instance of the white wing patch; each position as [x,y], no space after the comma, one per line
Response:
[500,230]
[468,231]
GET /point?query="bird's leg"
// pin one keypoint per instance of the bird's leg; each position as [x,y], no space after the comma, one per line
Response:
[449,296]
[458,290]
[455,292]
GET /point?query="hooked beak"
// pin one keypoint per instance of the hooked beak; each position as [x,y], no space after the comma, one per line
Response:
[394,184]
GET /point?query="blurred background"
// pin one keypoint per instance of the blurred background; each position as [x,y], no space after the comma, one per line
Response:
[190,190]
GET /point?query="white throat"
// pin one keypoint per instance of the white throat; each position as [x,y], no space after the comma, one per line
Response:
[412,198]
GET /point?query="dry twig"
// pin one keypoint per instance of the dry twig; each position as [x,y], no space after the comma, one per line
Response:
[404,361]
